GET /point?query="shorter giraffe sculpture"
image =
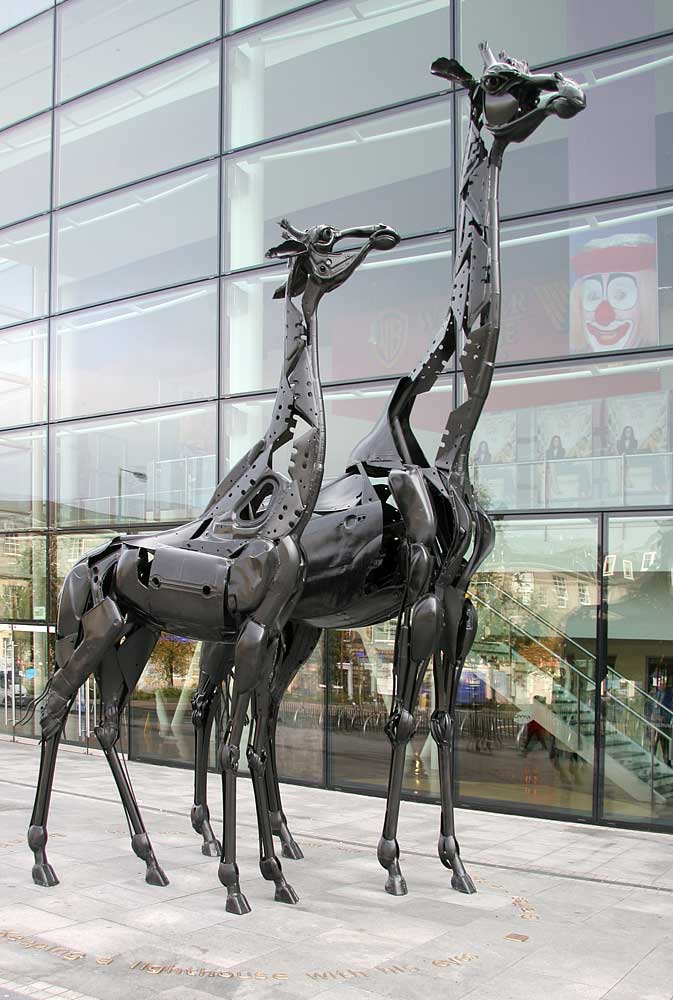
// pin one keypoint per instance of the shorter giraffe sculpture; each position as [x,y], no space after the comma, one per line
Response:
[399,535]
[232,576]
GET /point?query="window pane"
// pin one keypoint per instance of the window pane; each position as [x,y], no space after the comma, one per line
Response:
[579,436]
[300,734]
[350,414]
[161,716]
[15,11]
[378,323]
[23,578]
[23,371]
[360,698]
[525,708]
[162,232]
[242,12]
[25,69]
[136,353]
[135,467]
[541,32]
[587,159]
[152,122]
[269,69]
[24,169]
[101,40]
[370,171]
[24,671]
[638,693]
[24,270]
[588,282]
[23,479]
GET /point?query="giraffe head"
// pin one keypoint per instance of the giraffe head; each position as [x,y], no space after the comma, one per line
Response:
[513,101]
[315,262]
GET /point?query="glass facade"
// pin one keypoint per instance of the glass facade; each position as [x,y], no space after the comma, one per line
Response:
[147,152]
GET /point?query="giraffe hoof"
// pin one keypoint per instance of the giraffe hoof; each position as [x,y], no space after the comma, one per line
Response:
[237,903]
[211,848]
[463,883]
[156,876]
[292,850]
[285,894]
[44,874]
[396,886]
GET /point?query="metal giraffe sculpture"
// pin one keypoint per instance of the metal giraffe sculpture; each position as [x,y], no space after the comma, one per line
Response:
[409,547]
[232,576]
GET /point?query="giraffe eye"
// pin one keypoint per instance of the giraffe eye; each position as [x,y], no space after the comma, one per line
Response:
[325,235]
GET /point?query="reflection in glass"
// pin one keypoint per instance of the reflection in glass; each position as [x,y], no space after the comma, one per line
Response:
[525,712]
[267,67]
[637,702]
[24,169]
[161,711]
[542,32]
[15,11]
[164,232]
[24,669]
[301,723]
[360,698]
[152,122]
[24,270]
[350,414]
[582,436]
[379,323]
[152,350]
[26,69]
[242,12]
[23,577]
[65,551]
[590,282]
[393,168]
[101,40]
[23,478]
[23,374]
[156,466]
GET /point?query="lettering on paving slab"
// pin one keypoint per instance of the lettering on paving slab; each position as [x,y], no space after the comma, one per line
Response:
[26,941]
[528,912]
[178,970]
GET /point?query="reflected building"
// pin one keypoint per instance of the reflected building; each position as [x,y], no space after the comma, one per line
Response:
[145,159]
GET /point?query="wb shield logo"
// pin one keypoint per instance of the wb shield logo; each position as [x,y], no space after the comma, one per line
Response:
[389,336]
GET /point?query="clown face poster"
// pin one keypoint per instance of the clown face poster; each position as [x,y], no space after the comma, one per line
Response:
[614,298]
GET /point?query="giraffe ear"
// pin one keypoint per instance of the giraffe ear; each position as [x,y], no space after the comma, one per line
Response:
[288,248]
[450,69]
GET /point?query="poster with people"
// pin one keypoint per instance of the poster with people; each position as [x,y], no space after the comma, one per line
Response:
[637,435]
[614,296]
[492,455]
[563,449]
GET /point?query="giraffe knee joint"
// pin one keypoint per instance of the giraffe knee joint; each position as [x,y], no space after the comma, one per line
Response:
[107,733]
[37,838]
[228,757]
[400,727]
[270,869]
[387,852]
[441,728]
[200,708]
[256,761]
[142,847]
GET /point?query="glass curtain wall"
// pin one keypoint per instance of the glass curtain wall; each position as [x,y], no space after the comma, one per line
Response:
[147,153]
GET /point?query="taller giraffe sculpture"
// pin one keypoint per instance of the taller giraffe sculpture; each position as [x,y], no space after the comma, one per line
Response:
[232,576]
[409,547]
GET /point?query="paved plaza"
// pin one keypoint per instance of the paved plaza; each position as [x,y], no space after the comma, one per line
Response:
[562,910]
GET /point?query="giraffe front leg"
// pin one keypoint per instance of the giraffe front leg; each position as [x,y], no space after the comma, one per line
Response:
[416,638]
[216,663]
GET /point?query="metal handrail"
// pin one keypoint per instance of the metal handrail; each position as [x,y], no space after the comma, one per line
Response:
[567,638]
[648,723]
